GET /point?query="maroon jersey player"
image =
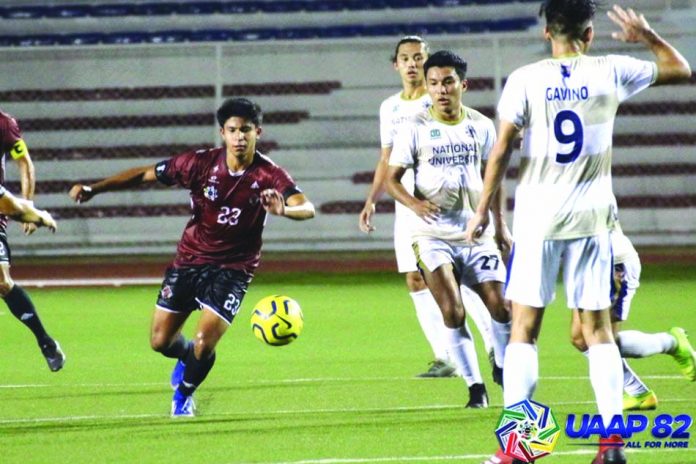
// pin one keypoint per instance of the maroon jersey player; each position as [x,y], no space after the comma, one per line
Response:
[17,300]
[232,190]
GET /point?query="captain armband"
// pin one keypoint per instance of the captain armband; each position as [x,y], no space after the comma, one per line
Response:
[19,149]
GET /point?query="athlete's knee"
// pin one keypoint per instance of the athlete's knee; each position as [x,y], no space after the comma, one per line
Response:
[578,341]
[452,314]
[6,286]
[203,346]
[415,282]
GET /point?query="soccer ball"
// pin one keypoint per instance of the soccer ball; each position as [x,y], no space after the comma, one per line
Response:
[277,320]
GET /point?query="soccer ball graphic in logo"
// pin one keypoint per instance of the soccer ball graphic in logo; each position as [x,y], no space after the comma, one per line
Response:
[277,320]
[527,431]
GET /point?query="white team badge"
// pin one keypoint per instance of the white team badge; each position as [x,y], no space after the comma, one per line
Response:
[213,180]
[255,185]
[210,192]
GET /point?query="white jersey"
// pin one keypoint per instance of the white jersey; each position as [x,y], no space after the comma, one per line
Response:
[446,158]
[621,246]
[567,107]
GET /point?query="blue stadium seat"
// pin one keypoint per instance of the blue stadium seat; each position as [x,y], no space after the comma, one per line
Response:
[282,6]
[398,4]
[254,34]
[7,41]
[319,6]
[294,33]
[38,40]
[199,8]
[366,4]
[468,27]
[113,9]
[82,39]
[210,35]
[393,30]
[240,7]
[168,36]
[25,12]
[69,11]
[125,38]
[514,24]
[156,9]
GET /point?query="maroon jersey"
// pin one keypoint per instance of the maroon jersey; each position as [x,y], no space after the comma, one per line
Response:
[9,135]
[227,217]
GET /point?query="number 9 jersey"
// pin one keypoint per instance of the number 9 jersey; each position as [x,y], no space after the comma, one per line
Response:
[566,108]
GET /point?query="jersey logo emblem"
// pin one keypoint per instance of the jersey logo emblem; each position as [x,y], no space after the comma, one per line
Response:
[166,292]
[213,180]
[472,132]
[565,71]
[255,185]
[435,133]
[210,192]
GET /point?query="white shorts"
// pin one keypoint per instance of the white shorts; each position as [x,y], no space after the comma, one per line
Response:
[587,272]
[403,242]
[473,264]
[626,281]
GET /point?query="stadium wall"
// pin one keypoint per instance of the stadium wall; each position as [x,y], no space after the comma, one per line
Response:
[325,136]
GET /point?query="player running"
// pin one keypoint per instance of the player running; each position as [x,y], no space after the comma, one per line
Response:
[564,208]
[18,301]
[233,189]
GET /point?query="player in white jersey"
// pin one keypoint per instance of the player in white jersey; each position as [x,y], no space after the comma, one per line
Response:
[633,343]
[563,203]
[445,147]
[409,55]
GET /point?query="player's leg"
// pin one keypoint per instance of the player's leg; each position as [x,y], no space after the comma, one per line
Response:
[21,306]
[430,319]
[427,311]
[435,262]
[588,275]
[477,312]
[491,293]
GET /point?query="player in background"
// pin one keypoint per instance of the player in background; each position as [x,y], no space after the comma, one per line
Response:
[409,55]
[17,300]
[445,146]
[633,343]
[233,189]
[564,208]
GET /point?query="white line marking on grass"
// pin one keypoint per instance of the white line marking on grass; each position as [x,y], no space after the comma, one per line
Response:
[466,457]
[105,282]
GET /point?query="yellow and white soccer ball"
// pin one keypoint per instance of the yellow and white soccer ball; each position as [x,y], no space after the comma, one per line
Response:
[277,320]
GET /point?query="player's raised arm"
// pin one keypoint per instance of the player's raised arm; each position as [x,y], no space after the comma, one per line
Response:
[129,178]
[672,67]
[496,167]
[24,211]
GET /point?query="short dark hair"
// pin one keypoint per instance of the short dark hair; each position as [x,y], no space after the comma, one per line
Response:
[240,107]
[410,39]
[568,17]
[449,59]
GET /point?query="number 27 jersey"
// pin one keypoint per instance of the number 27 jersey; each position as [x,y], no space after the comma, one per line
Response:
[566,108]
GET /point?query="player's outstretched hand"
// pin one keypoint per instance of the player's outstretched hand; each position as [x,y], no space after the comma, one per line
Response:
[46,220]
[475,227]
[29,228]
[273,202]
[633,25]
[366,214]
[81,193]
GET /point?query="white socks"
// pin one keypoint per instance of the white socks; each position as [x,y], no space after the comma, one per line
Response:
[520,372]
[477,311]
[462,353]
[501,337]
[607,379]
[431,322]
[635,344]
[631,382]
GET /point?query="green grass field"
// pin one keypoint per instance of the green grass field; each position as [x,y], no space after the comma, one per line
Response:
[345,392]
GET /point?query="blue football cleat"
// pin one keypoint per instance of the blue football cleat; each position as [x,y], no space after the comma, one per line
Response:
[177,374]
[183,406]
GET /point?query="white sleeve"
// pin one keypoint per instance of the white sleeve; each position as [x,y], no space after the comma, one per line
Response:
[386,129]
[490,139]
[513,105]
[404,150]
[632,75]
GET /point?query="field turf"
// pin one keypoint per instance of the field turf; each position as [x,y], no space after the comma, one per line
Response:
[344,392]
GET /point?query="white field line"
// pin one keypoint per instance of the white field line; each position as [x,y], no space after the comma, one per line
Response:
[283,412]
[461,457]
[101,282]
